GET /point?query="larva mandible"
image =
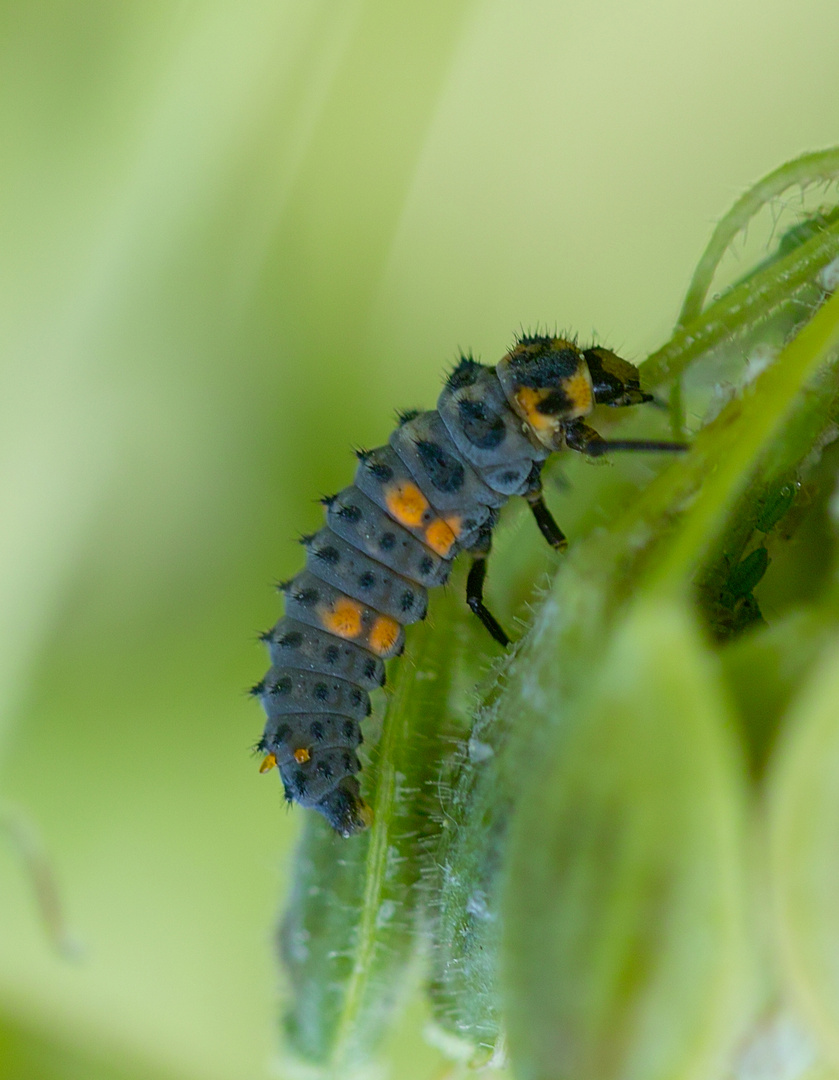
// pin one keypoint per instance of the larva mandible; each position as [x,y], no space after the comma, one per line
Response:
[435,490]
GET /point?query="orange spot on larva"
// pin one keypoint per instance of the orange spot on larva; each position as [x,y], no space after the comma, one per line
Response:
[406,503]
[301,755]
[383,634]
[577,389]
[268,763]
[440,537]
[576,400]
[528,399]
[343,619]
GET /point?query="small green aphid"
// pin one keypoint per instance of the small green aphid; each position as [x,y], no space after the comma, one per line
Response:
[775,505]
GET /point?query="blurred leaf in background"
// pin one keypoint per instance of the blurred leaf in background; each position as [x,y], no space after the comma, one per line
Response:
[232,239]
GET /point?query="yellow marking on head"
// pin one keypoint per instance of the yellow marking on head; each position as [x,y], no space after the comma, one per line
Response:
[301,755]
[343,619]
[406,503]
[268,763]
[383,635]
[577,388]
[528,398]
[440,537]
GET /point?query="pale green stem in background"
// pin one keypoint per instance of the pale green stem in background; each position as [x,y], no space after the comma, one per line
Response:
[818,167]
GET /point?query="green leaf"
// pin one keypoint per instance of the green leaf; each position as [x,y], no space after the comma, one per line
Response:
[804,847]
[765,671]
[625,949]
[350,928]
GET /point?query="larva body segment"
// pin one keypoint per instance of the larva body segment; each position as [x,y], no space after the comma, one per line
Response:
[486,431]
[433,491]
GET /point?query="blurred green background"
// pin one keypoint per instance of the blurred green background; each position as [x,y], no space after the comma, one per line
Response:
[233,238]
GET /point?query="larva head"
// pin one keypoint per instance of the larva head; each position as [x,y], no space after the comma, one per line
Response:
[615,381]
[550,382]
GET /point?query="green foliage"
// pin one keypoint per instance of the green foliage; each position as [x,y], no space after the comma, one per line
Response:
[625,941]
[364,897]
[579,864]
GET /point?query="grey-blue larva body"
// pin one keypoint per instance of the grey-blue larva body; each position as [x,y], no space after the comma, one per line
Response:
[435,490]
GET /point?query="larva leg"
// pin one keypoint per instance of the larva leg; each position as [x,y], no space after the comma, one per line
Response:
[475,588]
[544,519]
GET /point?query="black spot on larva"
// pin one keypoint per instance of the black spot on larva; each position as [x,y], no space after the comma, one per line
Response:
[316,729]
[407,416]
[349,729]
[292,640]
[324,769]
[386,541]
[482,427]
[329,555]
[257,689]
[355,696]
[307,597]
[557,401]
[406,601]
[327,500]
[331,654]
[366,580]
[350,513]
[282,686]
[282,733]
[509,477]
[347,759]
[426,565]
[465,374]
[301,782]
[380,471]
[320,691]
[444,471]
[369,669]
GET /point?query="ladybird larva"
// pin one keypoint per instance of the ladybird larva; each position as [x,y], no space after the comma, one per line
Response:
[435,490]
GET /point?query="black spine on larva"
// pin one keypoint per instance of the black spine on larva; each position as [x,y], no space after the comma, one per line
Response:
[374,558]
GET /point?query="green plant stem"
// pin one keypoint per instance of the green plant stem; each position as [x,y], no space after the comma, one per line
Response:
[736,447]
[812,168]
[743,309]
